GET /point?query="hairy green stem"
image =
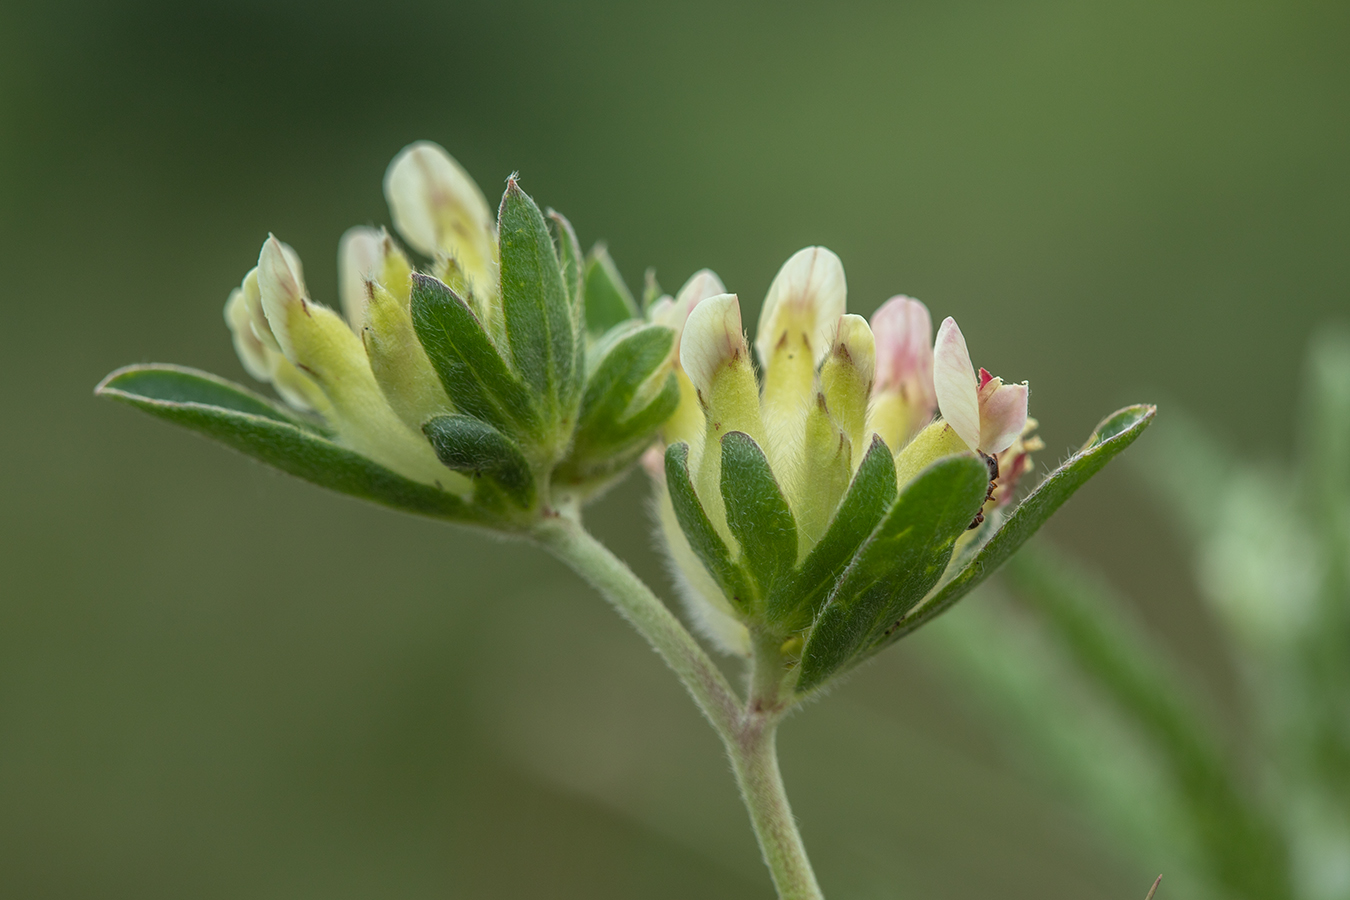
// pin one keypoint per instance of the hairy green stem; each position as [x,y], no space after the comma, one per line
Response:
[747,730]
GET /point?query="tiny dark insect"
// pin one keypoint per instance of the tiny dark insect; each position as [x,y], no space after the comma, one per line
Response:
[991,463]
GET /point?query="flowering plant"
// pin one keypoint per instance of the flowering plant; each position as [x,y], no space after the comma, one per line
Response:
[814,513]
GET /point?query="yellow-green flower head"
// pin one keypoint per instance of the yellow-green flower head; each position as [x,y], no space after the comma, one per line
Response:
[830,390]
[508,379]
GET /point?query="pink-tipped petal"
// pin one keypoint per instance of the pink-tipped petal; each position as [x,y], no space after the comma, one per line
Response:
[1003,415]
[904,336]
[954,383]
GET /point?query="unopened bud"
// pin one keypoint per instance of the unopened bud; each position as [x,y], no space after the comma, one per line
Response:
[686,423]
[399,362]
[365,255]
[321,344]
[903,399]
[439,210]
[714,355]
[846,379]
[796,324]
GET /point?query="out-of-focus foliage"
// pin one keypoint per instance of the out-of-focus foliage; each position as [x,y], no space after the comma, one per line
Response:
[1258,814]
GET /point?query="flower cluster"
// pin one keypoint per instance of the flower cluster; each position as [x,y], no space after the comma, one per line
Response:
[855,486]
[770,485]
[510,376]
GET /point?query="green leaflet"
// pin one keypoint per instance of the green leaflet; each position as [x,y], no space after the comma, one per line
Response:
[1116,432]
[182,384]
[795,602]
[573,272]
[619,411]
[474,375]
[535,300]
[757,513]
[570,260]
[608,301]
[896,567]
[699,531]
[604,420]
[255,427]
[475,448]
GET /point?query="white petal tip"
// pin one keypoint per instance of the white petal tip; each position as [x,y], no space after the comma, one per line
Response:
[810,289]
[712,338]
[954,383]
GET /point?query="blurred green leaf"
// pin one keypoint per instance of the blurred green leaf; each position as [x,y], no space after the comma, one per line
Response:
[757,513]
[608,301]
[651,288]
[797,601]
[1324,666]
[702,536]
[901,561]
[1243,847]
[1045,716]
[475,448]
[1111,436]
[474,375]
[263,434]
[538,315]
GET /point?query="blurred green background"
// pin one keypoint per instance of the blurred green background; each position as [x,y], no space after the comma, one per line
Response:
[219,682]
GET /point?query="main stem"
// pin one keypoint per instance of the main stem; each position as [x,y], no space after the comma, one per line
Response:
[747,730]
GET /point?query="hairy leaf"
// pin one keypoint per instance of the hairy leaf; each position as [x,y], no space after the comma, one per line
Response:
[698,529]
[796,601]
[293,447]
[534,297]
[1116,432]
[901,561]
[475,448]
[474,375]
[757,513]
[608,301]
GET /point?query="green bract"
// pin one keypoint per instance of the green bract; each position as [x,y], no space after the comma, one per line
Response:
[886,564]
[510,378]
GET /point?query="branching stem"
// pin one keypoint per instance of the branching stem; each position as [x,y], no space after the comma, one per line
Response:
[748,729]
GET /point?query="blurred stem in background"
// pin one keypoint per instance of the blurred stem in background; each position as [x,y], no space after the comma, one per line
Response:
[1092,699]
